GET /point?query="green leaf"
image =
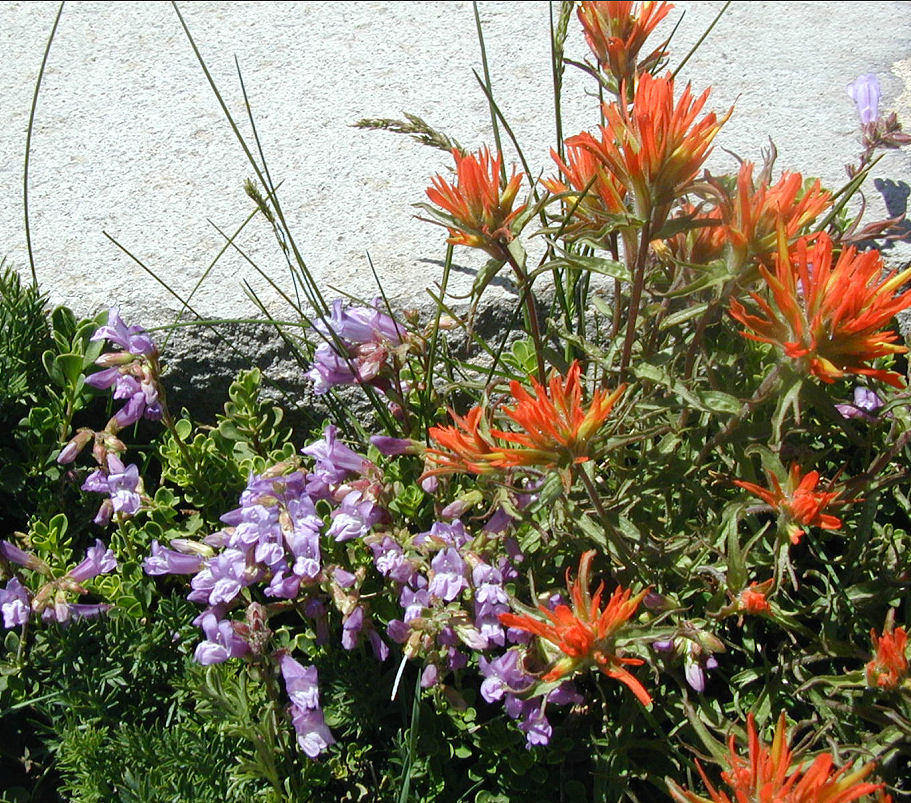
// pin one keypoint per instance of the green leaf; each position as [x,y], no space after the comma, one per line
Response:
[70,367]
[590,264]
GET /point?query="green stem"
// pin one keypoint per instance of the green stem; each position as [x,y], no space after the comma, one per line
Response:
[635,296]
[531,313]
[616,542]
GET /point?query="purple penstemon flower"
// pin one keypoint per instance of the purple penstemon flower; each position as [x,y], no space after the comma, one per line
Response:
[14,554]
[502,675]
[14,604]
[122,484]
[451,533]
[351,627]
[133,339]
[132,372]
[313,735]
[360,324]
[354,517]
[356,348]
[865,405]
[169,561]
[390,561]
[98,560]
[334,460]
[448,578]
[222,641]
[301,684]
[865,93]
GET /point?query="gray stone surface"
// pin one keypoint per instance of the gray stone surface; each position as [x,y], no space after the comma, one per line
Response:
[130,140]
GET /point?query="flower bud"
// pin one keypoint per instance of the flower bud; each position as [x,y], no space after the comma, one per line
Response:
[76,444]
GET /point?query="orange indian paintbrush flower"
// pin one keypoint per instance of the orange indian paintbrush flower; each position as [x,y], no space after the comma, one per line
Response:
[828,317]
[479,210]
[767,774]
[585,633]
[756,211]
[656,148]
[616,32]
[603,201]
[799,501]
[753,600]
[557,430]
[890,663]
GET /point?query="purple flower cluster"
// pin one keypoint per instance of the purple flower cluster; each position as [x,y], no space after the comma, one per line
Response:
[425,590]
[301,683]
[132,371]
[50,602]
[357,345]
[121,483]
[506,681]
[272,541]
[453,603]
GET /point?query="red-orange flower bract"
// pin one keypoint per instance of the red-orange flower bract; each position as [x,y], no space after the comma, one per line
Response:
[828,318]
[799,501]
[656,149]
[616,32]
[766,775]
[756,211]
[584,633]
[602,203]
[557,429]
[480,211]
[890,663]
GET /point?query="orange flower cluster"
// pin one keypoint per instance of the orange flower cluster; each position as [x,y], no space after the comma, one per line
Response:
[766,775]
[828,318]
[753,600]
[585,633]
[616,32]
[890,662]
[799,501]
[656,149]
[481,213]
[557,430]
[754,215]
[603,201]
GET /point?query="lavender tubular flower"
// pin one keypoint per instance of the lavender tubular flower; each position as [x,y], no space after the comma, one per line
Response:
[334,460]
[222,642]
[301,683]
[865,93]
[168,561]
[448,575]
[98,560]
[865,405]
[313,735]
[133,339]
[357,347]
[133,372]
[14,604]
[503,675]
[13,554]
